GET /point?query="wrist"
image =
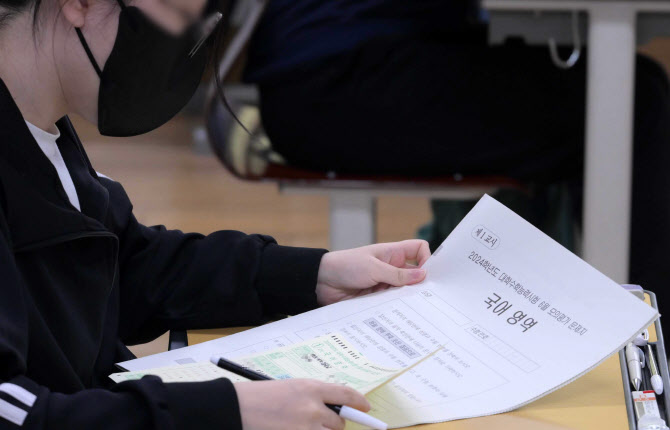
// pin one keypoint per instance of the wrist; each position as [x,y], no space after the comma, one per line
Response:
[322,279]
[325,269]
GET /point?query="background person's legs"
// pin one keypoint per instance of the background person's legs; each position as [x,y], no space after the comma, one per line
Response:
[651,185]
[426,106]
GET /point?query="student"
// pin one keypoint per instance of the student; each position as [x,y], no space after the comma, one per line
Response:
[80,277]
[413,88]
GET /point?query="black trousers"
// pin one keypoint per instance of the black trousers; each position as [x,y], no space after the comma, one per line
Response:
[433,105]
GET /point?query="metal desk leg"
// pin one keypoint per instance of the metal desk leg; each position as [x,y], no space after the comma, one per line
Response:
[352,219]
[609,138]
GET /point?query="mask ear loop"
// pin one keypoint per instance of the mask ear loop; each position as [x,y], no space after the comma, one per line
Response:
[208,27]
[89,54]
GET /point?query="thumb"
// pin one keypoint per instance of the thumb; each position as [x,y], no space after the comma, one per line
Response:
[388,274]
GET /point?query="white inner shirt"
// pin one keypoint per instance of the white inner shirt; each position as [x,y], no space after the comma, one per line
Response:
[47,143]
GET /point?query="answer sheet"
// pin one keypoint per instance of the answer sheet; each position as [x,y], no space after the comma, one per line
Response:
[516,314]
[327,358]
[192,372]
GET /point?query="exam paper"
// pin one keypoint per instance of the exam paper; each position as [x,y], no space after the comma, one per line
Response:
[516,314]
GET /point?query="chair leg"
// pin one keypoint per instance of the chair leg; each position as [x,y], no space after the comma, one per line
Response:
[178,339]
[352,219]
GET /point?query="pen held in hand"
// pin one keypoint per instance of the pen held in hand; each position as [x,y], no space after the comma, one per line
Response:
[345,412]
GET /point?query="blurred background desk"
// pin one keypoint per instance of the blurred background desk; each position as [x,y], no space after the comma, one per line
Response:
[614,27]
[594,401]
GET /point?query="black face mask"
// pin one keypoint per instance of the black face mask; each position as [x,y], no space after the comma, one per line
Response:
[149,76]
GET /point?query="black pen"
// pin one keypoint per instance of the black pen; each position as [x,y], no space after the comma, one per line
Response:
[345,412]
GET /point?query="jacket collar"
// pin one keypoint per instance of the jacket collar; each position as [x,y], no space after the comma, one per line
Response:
[37,208]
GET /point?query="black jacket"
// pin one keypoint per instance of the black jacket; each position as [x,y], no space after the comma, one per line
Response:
[76,287]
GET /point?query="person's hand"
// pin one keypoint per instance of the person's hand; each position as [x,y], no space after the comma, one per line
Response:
[296,404]
[355,272]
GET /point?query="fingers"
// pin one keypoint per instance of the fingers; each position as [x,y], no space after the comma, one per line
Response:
[341,395]
[397,253]
[385,273]
[416,249]
[331,420]
[397,272]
